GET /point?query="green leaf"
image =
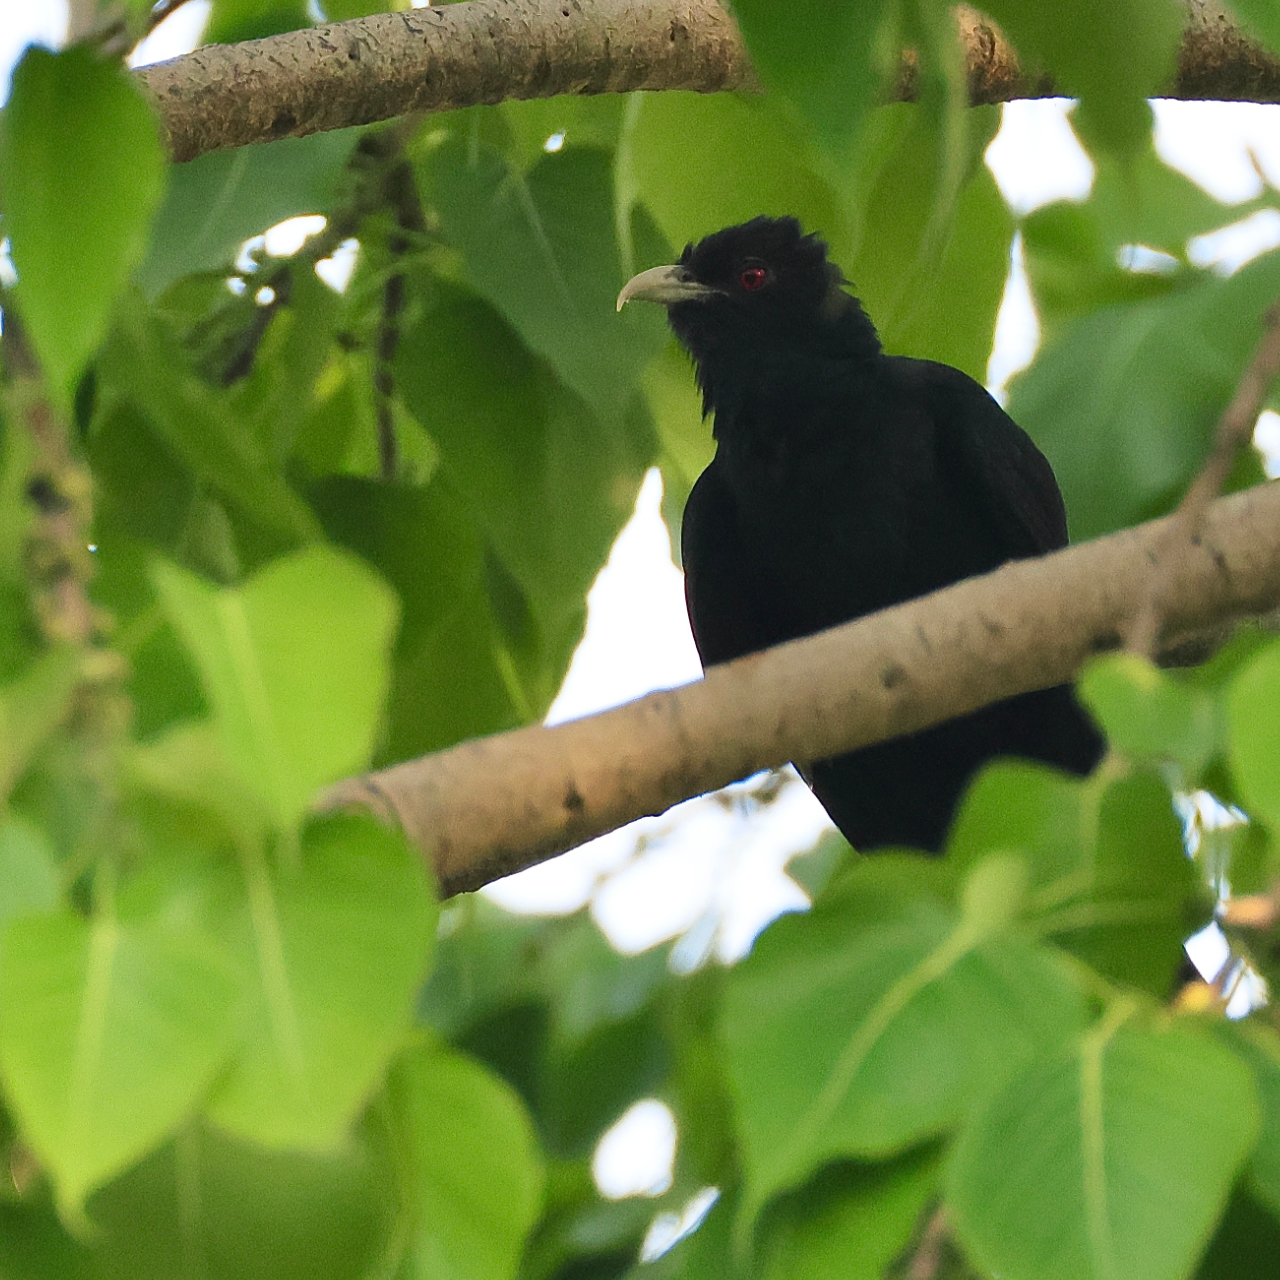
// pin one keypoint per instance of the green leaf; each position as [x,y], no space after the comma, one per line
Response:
[873,1022]
[32,707]
[28,874]
[1124,402]
[1112,1162]
[216,202]
[542,248]
[294,664]
[110,1034]
[196,424]
[1259,1046]
[1262,18]
[475,1175]
[1109,877]
[1253,719]
[850,1221]
[1245,1245]
[1149,714]
[206,1205]
[529,493]
[236,20]
[81,169]
[821,56]
[1127,56]
[453,676]
[700,162]
[337,944]
[187,765]
[934,235]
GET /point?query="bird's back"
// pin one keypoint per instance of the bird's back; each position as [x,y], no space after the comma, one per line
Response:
[843,487]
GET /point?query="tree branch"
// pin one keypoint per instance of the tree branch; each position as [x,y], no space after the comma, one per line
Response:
[489,807]
[486,51]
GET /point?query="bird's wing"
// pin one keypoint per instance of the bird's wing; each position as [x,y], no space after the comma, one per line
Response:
[723,611]
[987,452]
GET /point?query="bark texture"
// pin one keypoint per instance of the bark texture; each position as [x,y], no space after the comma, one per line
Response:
[489,807]
[486,51]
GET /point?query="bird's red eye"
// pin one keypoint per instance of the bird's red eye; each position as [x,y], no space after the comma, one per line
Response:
[753,278]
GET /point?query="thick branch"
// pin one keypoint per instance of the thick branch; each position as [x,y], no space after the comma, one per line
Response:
[492,806]
[485,51]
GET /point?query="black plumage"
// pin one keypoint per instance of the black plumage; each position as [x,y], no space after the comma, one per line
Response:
[844,481]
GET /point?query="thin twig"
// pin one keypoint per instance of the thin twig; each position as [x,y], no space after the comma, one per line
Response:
[1234,431]
[160,11]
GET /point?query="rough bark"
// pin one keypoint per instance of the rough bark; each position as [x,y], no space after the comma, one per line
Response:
[485,51]
[495,805]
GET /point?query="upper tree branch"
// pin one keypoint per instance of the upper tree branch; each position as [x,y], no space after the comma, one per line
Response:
[490,807]
[486,51]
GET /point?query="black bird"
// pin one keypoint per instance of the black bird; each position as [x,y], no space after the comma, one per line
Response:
[844,481]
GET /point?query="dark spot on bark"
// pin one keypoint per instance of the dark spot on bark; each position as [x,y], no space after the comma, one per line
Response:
[284,123]
[573,801]
[992,628]
[1105,642]
[892,676]
[923,636]
[353,52]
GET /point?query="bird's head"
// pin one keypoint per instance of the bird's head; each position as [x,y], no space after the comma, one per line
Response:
[760,290]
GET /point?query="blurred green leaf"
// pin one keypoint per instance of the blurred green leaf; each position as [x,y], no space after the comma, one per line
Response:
[1126,57]
[1262,18]
[1259,1045]
[874,1021]
[216,202]
[1109,878]
[235,20]
[530,492]
[142,362]
[1113,1160]
[110,1034]
[81,168]
[475,1175]
[337,946]
[33,706]
[542,248]
[823,56]
[1149,714]
[1245,1245]
[208,1205]
[295,666]
[700,162]
[28,875]
[850,1220]
[1124,401]
[1253,713]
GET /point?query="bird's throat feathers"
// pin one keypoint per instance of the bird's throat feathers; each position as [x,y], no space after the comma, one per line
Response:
[737,362]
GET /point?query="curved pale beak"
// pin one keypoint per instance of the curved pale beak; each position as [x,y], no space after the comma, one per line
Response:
[665,285]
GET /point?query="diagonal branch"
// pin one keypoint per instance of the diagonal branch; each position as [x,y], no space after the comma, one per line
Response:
[495,805]
[486,51]
[1234,431]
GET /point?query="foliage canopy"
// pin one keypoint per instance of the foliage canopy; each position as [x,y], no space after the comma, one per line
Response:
[338,528]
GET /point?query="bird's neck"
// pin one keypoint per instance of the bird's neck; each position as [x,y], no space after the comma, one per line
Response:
[742,380]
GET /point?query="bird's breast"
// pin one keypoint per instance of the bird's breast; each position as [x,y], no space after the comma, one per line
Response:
[841,514]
